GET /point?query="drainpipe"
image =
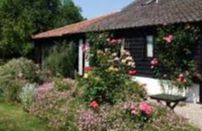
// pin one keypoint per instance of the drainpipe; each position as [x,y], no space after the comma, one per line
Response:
[157,1]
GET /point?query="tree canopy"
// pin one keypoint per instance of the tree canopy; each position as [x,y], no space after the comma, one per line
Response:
[20,19]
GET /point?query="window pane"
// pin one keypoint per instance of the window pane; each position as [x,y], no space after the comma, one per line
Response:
[150,48]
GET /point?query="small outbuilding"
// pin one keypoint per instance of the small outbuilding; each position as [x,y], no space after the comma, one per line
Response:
[137,24]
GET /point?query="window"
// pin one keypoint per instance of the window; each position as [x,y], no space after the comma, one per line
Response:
[150,46]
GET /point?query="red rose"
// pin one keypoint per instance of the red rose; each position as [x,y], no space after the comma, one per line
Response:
[132,72]
[94,104]
[88,69]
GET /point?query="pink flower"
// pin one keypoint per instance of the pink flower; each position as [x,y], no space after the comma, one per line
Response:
[181,78]
[94,104]
[132,106]
[168,38]
[114,41]
[154,62]
[134,112]
[85,47]
[181,75]
[146,108]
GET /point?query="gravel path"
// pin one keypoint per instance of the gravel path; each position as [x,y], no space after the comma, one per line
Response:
[193,112]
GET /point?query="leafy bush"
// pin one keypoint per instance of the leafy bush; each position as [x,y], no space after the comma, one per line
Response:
[27,94]
[61,60]
[14,74]
[10,89]
[21,68]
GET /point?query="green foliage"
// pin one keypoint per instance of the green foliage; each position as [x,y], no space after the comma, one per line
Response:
[103,86]
[97,42]
[61,60]
[63,84]
[20,19]
[176,58]
[13,76]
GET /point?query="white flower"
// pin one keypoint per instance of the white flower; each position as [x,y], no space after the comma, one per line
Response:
[123,61]
[116,59]
[129,58]
[114,54]
[85,76]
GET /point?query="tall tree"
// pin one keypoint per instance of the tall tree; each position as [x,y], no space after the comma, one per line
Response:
[20,19]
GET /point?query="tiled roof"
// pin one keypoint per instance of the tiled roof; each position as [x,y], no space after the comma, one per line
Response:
[137,14]
[71,29]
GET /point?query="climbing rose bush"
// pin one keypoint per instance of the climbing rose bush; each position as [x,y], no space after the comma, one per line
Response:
[110,70]
[175,59]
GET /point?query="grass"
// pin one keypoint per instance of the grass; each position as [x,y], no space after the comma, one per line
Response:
[13,118]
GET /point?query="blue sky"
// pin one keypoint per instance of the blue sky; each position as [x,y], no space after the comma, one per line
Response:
[93,8]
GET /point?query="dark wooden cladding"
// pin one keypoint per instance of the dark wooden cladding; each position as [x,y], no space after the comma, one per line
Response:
[135,42]
[137,48]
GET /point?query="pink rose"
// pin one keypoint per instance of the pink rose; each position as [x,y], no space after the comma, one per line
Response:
[134,112]
[168,38]
[146,108]
[132,106]
[181,75]
[154,61]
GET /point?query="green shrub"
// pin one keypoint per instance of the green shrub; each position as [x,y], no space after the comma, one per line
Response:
[14,74]
[21,68]
[61,60]
[11,89]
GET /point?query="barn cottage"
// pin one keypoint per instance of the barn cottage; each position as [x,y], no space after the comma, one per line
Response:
[137,24]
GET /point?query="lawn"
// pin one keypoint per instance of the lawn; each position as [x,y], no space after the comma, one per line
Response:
[13,118]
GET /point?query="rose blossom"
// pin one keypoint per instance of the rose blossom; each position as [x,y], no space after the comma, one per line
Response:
[88,69]
[168,38]
[154,61]
[181,78]
[146,108]
[132,72]
[94,104]
[134,112]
